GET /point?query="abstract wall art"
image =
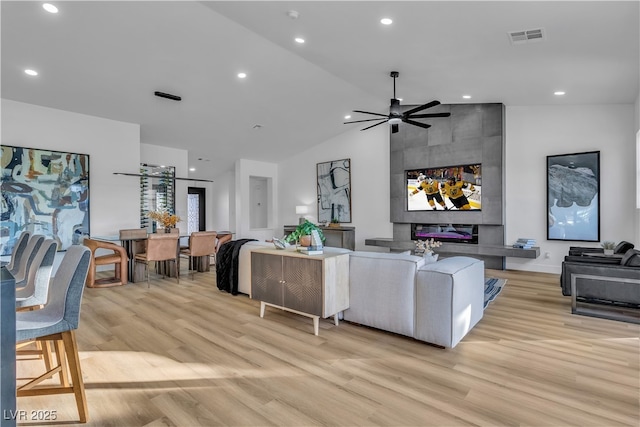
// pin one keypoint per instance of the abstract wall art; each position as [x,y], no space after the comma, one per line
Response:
[573,197]
[334,190]
[45,192]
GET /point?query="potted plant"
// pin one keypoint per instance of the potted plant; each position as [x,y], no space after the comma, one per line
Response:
[335,223]
[303,232]
[608,247]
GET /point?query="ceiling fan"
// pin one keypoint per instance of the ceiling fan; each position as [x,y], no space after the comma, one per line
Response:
[395,116]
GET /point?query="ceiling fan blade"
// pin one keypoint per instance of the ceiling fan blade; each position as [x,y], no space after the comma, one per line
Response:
[366,120]
[421,107]
[367,112]
[424,116]
[394,128]
[413,122]
[369,127]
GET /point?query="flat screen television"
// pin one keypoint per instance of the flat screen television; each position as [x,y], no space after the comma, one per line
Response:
[445,188]
[456,233]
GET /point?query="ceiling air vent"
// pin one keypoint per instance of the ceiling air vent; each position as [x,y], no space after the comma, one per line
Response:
[526,36]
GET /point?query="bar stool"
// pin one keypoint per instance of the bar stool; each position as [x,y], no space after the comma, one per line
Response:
[21,270]
[18,251]
[57,322]
[36,291]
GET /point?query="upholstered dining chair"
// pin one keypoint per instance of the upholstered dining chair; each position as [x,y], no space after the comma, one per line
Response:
[57,322]
[201,244]
[21,270]
[160,247]
[18,250]
[36,291]
[116,255]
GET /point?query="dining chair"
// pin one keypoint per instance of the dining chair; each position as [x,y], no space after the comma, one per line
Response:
[21,270]
[201,244]
[117,255]
[36,291]
[160,247]
[57,322]
[223,237]
[18,250]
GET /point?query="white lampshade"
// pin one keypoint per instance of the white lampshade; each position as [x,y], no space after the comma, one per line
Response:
[301,210]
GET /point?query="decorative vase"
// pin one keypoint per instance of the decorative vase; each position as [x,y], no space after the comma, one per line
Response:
[430,257]
[608,251]
[167,230]
[305,240]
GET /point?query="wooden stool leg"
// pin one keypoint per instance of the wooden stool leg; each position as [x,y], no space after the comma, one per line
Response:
[71,348]
[62,362]
[45,347]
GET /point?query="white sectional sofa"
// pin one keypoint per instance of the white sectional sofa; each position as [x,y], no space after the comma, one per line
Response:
[438,303]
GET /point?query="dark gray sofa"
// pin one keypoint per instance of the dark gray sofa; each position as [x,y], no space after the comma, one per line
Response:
[604,279]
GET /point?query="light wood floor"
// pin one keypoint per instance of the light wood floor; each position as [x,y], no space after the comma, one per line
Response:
[190,355]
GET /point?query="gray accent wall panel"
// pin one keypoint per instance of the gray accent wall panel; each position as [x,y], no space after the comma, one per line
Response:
[473,134]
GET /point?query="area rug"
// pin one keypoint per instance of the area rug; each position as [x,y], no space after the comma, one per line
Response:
[492,287]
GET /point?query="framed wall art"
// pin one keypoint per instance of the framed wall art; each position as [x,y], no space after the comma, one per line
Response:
[334,190]
[573,197]
[45,192]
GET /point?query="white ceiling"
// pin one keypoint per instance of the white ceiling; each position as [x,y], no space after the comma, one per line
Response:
[107,58]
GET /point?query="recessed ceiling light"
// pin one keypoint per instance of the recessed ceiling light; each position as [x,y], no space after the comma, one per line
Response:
[466,96]
[299,40]
[50,8]
[386,21]
[242,75]
[347,117]
[192,169]
[559,93]
[31,72]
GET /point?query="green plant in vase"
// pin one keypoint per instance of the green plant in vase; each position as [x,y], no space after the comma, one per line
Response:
[304,229]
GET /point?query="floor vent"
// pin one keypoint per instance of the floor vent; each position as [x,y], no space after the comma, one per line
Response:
[527,36]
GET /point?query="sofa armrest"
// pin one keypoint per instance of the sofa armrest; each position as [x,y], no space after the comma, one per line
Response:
[449,299]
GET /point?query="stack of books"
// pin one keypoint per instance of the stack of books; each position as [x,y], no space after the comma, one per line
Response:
[524,243]
[310,250]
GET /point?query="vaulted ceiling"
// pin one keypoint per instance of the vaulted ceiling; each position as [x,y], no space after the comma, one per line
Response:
[107,58]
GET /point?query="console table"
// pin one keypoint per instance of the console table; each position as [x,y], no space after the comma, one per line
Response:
[310,285]
[336,237]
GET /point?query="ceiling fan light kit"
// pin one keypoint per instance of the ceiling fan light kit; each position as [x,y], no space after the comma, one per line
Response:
[395,116]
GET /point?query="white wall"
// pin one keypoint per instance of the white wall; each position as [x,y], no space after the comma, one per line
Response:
[222,207]
[244,170]
[532,133]
[111,145]
[370,194]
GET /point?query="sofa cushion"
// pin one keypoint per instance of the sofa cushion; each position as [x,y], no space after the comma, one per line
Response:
[631,258]
[382,290]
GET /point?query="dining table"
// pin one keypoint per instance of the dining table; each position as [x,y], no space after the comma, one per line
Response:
[132,247]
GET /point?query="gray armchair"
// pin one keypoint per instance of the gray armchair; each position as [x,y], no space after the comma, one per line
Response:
[612,279]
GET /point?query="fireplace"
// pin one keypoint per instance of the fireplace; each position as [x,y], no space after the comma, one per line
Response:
[454,233]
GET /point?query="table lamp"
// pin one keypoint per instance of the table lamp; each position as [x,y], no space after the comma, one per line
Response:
[302,210]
